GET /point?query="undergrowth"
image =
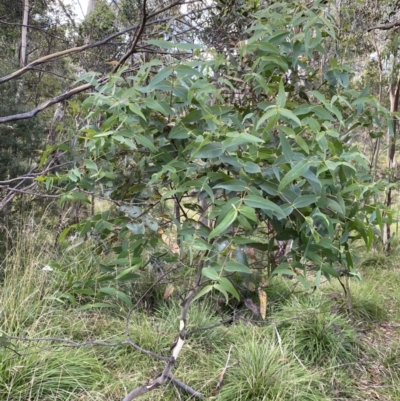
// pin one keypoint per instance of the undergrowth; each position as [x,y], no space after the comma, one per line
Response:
[311,346]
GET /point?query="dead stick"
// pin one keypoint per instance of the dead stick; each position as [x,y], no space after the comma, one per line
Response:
[221,376]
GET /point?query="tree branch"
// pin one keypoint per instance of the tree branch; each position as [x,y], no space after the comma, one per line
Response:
[132,48]
[385,27]
[47,103]
[176,347]
[82,88]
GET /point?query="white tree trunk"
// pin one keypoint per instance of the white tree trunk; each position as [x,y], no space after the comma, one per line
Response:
[24,34]
[90,6]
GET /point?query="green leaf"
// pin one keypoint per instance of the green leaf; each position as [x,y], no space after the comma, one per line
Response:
[328,269]
[224,224]
[210,273]
[208,151]
[228,286]
[281,98]
[91,165]
[203,291]
[170,45]
[283,268]
[146,142]
[150,222]
[133,211]
[233,185]
[232,266]
[220,288]
[248,212]
[272,112]
[160,76]
[259,202]
[119,294]
[286,148]
[95,305]
[251,168]
[303,282]
[296,172]
[289,115]
[134,109]
[304,200]
[162,107]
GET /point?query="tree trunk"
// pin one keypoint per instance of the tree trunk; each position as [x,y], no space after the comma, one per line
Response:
[24,35]
[392,164]
[375,154]
[90,7]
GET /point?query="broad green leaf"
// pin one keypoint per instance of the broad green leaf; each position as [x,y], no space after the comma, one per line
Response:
[95,305]
[208,151]
[289,115]
[303,282]
[146,142]
[210,273]
[259,202]
[170,45]
[333,205]
[133,211]
[251,168]
[272,112]
[200,245]
[160,76]
[119,294]
[294,174]
[329,270]
[220,288]
[162,107]
[233,185]
[228,286]
[91,165]
[302,143]
[243,222]
[224,224]
[286,148]
[283,268]
[232,266]
[281,98]
[135,109]
[248,212]
[203,291]
[304,200]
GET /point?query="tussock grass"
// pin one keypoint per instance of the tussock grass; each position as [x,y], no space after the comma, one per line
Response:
[310,347]
[314,334]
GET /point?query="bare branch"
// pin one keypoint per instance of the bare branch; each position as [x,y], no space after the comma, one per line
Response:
[26,192]
[176,347]
[135,42]
[46,104]
[74,91]
[221,376]
[68,342]
[385,27]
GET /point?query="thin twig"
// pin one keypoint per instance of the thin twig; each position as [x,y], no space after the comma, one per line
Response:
[221,376]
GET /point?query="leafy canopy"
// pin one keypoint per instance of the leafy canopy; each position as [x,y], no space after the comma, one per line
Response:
[251,146]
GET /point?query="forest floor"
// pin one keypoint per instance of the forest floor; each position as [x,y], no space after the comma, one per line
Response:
[311,346]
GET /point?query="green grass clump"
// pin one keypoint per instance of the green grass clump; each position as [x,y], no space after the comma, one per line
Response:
[314,334]
[267,371]
[48,375]
[311,346]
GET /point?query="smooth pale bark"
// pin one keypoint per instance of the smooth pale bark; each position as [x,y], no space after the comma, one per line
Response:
[394,93]
[90,6]
[375,155]
[24,34]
